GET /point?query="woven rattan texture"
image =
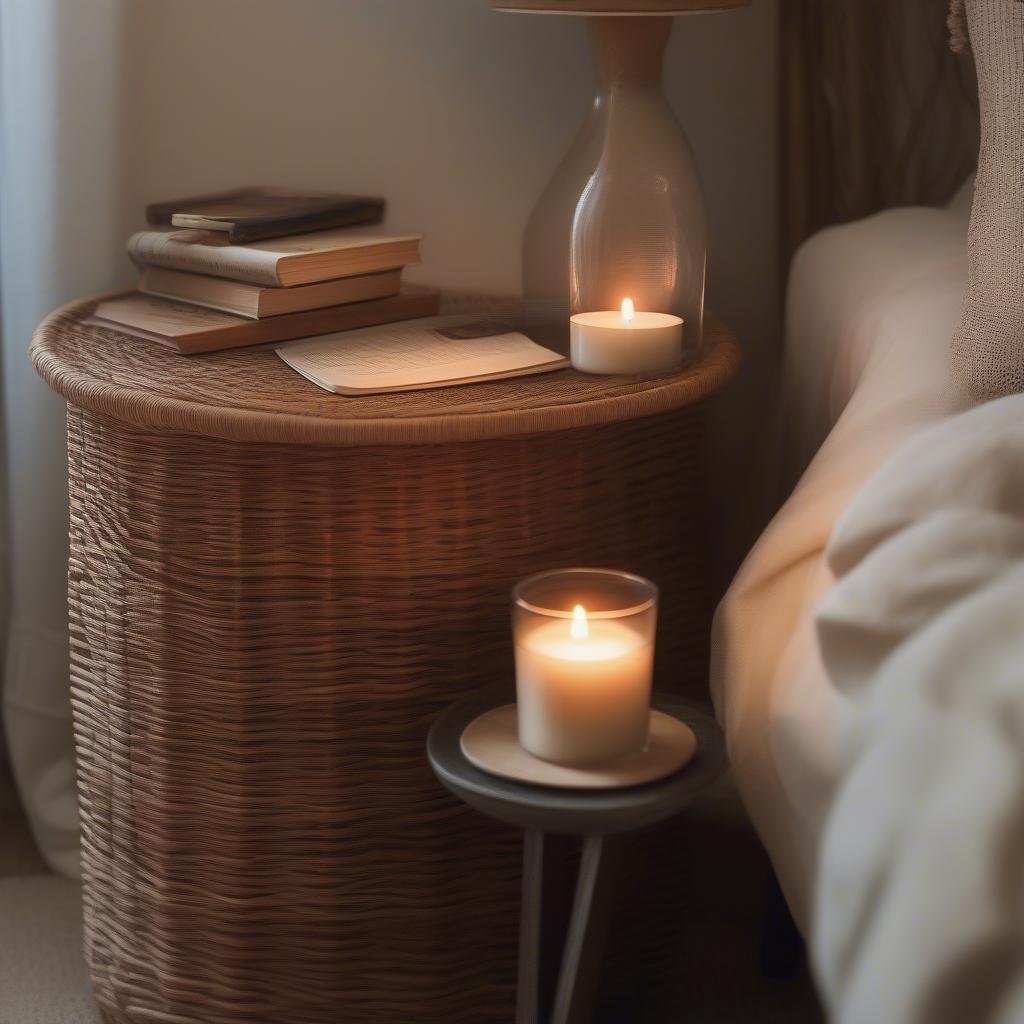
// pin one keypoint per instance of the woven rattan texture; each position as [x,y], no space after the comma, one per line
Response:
[261,635]
[255,397]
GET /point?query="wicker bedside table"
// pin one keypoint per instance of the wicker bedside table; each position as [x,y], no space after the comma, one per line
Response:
[273,591]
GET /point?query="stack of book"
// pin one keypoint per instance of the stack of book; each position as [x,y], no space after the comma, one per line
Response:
[260,265]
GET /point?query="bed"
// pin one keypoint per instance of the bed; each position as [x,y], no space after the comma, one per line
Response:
[868,655]
[868,658]
[871,309]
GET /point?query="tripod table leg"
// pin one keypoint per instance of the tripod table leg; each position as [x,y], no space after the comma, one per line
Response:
[588,932]
[542,924]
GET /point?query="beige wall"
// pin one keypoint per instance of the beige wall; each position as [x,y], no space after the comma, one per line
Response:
[458,115]
[455,113]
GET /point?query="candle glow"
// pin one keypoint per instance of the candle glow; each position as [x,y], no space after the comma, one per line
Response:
[583,689]
[580,630]
[583,679]
[626,341]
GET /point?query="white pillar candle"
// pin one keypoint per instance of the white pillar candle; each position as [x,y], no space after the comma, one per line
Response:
[625,341]
[583,689]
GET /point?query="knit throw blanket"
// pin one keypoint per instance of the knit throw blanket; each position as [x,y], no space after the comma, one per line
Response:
[987,355]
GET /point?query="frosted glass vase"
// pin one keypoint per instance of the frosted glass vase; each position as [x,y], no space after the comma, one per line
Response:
[623,215]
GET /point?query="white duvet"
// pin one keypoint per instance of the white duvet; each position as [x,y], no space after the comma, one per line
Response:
[918,910]
[870,315]
[869,657]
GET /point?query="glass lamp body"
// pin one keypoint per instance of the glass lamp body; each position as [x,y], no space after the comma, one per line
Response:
[623,214]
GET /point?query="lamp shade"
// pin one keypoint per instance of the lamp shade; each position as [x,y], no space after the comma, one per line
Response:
[662,7]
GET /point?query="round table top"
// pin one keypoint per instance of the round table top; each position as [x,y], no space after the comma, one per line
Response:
[251,395]
[574,811]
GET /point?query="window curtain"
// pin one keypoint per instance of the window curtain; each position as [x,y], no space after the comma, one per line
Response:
[877,110]
[59,237]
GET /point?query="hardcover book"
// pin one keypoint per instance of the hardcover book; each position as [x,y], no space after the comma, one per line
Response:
[278,262]
[256,302]
[190,330]
[256,212]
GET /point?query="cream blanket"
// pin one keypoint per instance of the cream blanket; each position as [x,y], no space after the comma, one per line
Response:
[869,657]
[919,909]
[871,312]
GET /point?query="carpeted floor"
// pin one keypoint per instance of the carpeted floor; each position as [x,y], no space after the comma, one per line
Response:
[717,977]
[42,973]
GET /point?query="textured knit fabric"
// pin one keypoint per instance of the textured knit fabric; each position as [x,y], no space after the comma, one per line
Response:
[988,348]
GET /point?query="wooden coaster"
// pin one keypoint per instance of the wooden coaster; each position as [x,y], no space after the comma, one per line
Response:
[491,742]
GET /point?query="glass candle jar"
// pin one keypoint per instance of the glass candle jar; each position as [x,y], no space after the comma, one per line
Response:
[584,654]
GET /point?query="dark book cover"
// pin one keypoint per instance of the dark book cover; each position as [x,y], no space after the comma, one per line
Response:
[255,213]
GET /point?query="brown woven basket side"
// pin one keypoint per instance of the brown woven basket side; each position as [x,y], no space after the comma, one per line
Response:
[261,636]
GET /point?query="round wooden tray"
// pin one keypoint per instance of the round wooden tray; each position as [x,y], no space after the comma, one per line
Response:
[255,397]
[491,743]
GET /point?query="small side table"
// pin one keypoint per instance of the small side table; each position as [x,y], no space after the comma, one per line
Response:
[273,591]
[553,988]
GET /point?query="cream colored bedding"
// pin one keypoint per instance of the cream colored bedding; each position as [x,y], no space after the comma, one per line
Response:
[918,909]
[870,314]
[869,661]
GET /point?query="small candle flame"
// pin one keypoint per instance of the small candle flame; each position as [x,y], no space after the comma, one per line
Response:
[580,630]
[628,312]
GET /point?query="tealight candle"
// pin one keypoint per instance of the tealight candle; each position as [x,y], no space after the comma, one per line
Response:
[626,341]
[584,651]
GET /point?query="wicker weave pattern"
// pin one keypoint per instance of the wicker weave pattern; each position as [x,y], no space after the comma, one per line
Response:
[255,397]
[261,636]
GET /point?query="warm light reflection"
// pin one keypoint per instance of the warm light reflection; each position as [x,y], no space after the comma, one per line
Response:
[628,312]
[580,630]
